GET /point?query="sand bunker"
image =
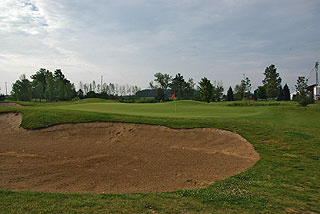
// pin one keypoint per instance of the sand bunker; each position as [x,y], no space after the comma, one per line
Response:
[117,157]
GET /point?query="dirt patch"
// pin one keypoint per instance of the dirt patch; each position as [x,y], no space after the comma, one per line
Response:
[10,104]
[117,157]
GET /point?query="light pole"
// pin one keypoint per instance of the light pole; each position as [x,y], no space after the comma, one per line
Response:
[101,84]
[6,88]
[316,67]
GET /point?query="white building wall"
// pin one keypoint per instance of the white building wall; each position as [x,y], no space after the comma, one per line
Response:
[316,92]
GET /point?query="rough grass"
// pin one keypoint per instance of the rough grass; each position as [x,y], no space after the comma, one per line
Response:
[286,179]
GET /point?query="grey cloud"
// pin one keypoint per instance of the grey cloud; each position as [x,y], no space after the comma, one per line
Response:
[218,39]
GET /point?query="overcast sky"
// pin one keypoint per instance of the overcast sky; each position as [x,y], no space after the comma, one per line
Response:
[128,41]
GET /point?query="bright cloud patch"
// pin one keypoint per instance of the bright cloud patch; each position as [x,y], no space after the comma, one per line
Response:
[21,16]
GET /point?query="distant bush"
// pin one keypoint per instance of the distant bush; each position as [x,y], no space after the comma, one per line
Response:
[92,94]
[76,99]
[304,96]
[2,97]
[254,104]
[304,100]
[146,100]
[136,100]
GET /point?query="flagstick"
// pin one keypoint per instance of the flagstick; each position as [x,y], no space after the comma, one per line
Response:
[174,101]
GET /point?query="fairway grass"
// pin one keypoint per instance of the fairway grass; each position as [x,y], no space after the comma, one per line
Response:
[285,180]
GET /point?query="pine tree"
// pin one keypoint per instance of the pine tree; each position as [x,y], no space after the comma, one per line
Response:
[205,90]
[280,94]
[260,93]
[286,92]
[230,96]
[21,89]
[271,82]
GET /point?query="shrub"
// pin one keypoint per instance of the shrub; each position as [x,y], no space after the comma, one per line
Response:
[304,100]
[2,97]
[75,99]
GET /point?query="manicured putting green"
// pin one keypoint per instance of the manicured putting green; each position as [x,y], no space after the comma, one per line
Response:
[182,109]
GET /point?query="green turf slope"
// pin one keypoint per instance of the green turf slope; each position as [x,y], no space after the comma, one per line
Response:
[285,180]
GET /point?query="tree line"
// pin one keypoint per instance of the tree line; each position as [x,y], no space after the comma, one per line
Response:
[271,89]
[45,85]
[165,86]
[207,91]
[106,91]
[54,86]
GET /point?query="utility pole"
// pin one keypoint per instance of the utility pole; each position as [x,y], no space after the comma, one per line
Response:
[244,90]
[317,78]
[6,88]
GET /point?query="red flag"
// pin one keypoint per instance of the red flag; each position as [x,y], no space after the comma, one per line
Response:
[174,95]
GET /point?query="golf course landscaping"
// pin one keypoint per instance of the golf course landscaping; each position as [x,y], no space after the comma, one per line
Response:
[278,172]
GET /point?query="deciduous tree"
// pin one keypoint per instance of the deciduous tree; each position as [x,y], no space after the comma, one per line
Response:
[190,91]
[217,90]
[50,87]
[163,82]
[303,95]
[178,86]
[39,84]
[242,90]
